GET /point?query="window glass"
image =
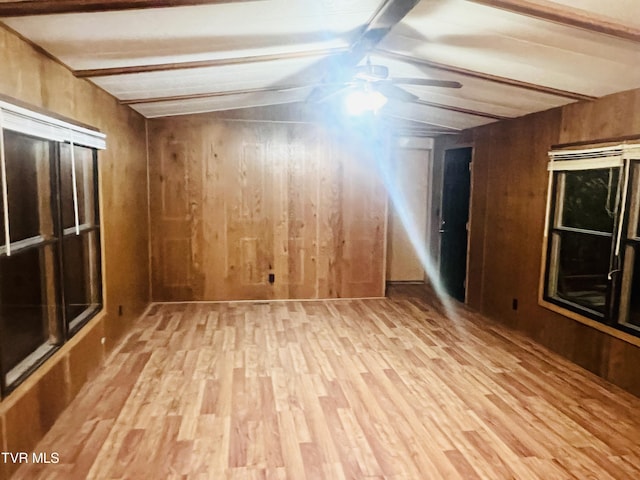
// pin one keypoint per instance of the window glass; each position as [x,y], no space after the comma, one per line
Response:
[81,275]
[86,186]
[583,269]
[27,304]
[66,187]
[590,199]
[635,187]
[28,186]
[634,298]
[83,159]
[2,231]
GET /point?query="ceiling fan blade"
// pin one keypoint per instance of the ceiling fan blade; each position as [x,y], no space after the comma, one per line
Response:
[396,93]
[388,16]
[340,67]
[426,82]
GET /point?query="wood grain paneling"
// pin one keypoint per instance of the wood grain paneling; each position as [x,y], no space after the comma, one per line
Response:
[509,186]
[30,77]
[235,201]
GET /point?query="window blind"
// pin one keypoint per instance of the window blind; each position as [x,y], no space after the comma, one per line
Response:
[22,120]
[592,158]
[616,156]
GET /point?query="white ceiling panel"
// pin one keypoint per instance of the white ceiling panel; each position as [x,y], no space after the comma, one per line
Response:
[501,43]
[180,34]
[205,80]
[433,116]
[476,94]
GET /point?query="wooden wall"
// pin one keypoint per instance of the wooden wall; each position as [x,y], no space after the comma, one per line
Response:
[235,200]
[509,184]
[28,412]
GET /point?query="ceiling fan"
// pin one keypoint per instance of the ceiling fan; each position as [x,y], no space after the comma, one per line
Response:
[374,80]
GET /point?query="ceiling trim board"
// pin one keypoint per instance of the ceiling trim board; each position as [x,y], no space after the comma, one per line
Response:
[193,96]
[51,7]
[467,111]
[219,62]
[422,131]
[210,110]
[486,76]
[545,10]
[598,141]
[432,125]
[429,134]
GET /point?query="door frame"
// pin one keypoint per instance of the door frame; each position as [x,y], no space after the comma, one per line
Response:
[429,159]
[440,206]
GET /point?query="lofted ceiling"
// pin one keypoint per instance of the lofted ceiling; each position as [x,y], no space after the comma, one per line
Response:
[512,57]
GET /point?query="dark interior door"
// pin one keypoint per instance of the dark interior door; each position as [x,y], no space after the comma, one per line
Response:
[455,215]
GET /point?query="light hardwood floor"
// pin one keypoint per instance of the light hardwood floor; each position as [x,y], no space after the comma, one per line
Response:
[362,389]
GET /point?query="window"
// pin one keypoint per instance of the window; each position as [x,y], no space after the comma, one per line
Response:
[80,243]
[593,244]
[630,286]
[49,237]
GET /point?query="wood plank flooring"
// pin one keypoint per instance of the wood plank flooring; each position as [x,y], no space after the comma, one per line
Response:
[347,389]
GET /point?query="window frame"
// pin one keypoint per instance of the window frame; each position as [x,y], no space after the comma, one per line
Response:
[627,157]
[556,230]
[33,124]
[630,243]
[72,326]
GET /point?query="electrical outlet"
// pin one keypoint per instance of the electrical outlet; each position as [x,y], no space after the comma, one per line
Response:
[272,278]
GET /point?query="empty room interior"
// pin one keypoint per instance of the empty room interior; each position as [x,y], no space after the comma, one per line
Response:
[321,239]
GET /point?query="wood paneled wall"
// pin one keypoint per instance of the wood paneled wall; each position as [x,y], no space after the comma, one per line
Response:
[233,201]
[28,76]
[509,188]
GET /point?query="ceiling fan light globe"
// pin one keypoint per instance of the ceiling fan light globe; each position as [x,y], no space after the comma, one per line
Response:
[358,102]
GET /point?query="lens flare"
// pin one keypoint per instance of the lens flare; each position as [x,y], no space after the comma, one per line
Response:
[374,138]
[358,102]
[399,202]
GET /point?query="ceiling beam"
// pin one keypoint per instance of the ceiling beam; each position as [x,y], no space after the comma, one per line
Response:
[228,93]
[400,127]
[434,126]
[466,111]
[400,132]
[485,76]
[574,17]
[50,7]
[221,62]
